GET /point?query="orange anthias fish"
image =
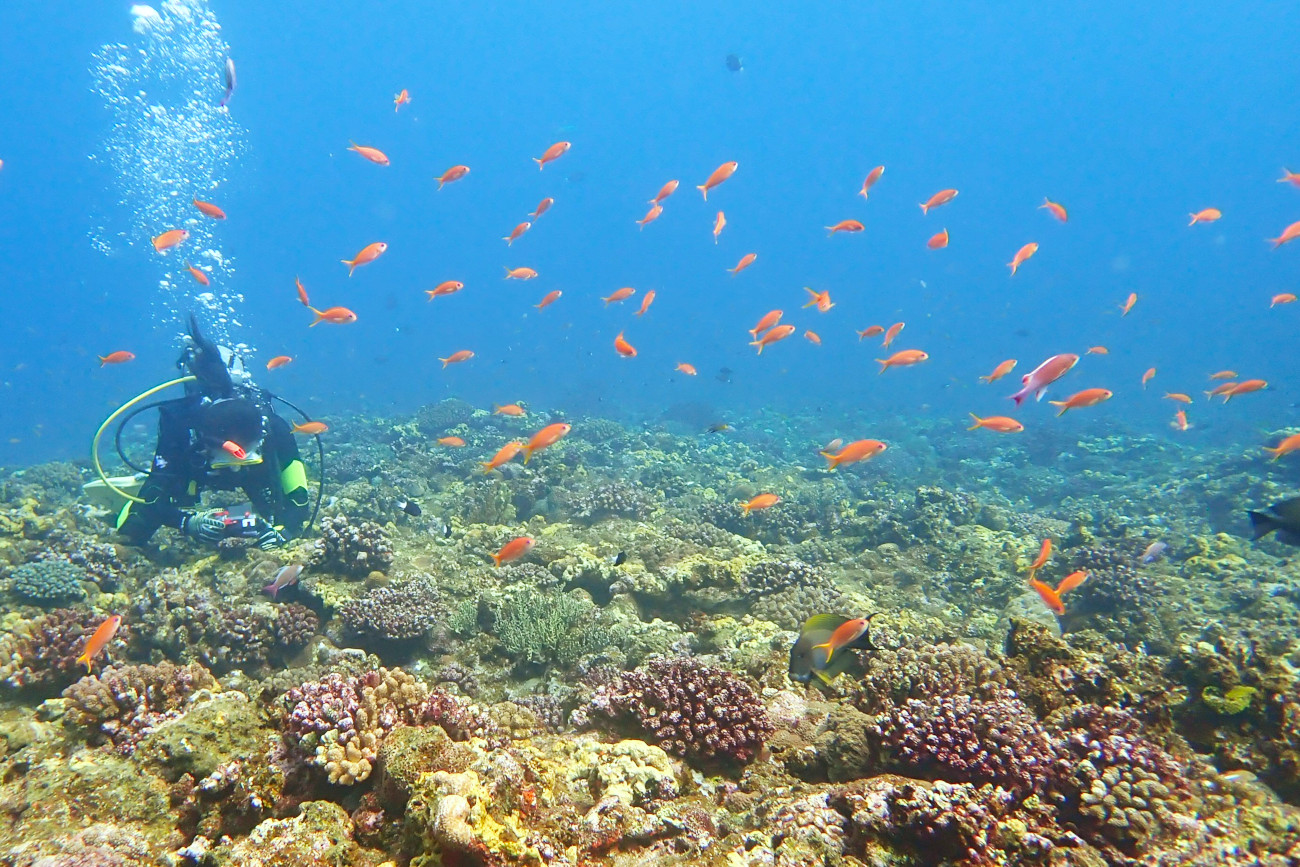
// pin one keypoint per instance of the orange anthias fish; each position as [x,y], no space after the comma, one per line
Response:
[1044,554]
[553,153]
[209,210]
[623,348]
[1246,386]
[516,233]
[1178,396]
[938,241]
[278,361]
[1224,374]
[98,641]
[1021,256]
[457,442]
[551,298]
[902,358]
[333,315]
[456,357]
[368,254]
[1282,298]
[455,173]
[998,423]
[894,331]
[769,320]
[513,550]
[504,455]
[1285,447]
[1097,350]
[813,337]
[302,293]
[1000,371]
[820,300]
[688,369]
[720,174]
[760,502]
[545,438]
[1289,177]
[1222,388]
[520,273]
[446,287]
[779,332]
[1289,234]
[664,192]
[745,261]
[401,99]
[859,450]
[1207,215]
[121,356]
[199,276]
[646,301]
[845,634]
[375,155]
[542,207]
[1128,303]
[1052,596]
[1147,377]
[719,223]
[310,428]
[510,409]
[1080,399]
[1180,421]
[870,331]
[1057,210]
[942,197]
[845,226]
[870,181]
[169,239]
[619,295]
[650,215]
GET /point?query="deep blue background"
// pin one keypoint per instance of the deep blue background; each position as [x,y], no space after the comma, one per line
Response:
[1130,116]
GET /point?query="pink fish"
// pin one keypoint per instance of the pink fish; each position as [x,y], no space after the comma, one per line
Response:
[1045,374]
[286,576]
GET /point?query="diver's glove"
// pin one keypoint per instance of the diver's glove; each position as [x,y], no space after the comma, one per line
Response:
[269,538]
[209,526]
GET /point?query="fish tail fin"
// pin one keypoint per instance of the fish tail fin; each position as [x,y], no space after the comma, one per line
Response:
[831,459]
[496,561]
[1276,453]
[1018,399]
[320,317]
[351,263]
[445,362]
[528,454]
[827,647]
[1261,525]
[925,209]
[540,165]
[432,294]
[757,343]
[978,421]
[103,359]
[703,189]
[1061,404]
[884,365]
[83,659]
[270,588]
[823,677]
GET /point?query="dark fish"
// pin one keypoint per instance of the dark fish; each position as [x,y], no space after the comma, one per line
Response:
[1283,517]
[618,559]
[1154,552]
[724,375]
[230,80]
[285,577]
[719,427]
[808,658]
[734,63]
[410,507]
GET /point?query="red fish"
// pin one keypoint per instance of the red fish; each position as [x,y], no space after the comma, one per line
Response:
[770,319]
[688,369]
[1081,399]
[278,361]
[98,641]
[368,254]
[513,550]
[210,210]
[446,287]
[1282,298]
[1043,375]
[460,355]
[333,315]
[998,423]
[718,224]
[401,99]
[650,215]
[199,276]
[1052,596]
[455,173]
[1021,256]
[1128,303]
[870,331]
[551,298]
[646,301]
[1044,554]
[542,207]
[1207,215]
[302,293]
[1148,376]
[1246,386]
[457,442]
[516,233]
[859,450]
[1289,177]
[545,438]
[623,348]
[511,409]
[169,239]
[870,181]
[310,428]
[902,358]
[619,295]
[745,261]
[520,273]
[760,502]
[121,356]
[813,337]
[664,192]
[375,155]
[848,632]
[1000,371]
[779,332]
[553,153]
[820,300]
[720,174]
[1097,350]
[504,455]
[894,331]
[1289,234]
[1180,421]
[846,226]
[938,241]
[1057,210]
[1286,446]
[942,197]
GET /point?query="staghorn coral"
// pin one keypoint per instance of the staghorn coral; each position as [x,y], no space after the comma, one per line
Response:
[47,582]
[688,708]
[125,703]
[400,612]
[342,721]
[42,653]
[353,548]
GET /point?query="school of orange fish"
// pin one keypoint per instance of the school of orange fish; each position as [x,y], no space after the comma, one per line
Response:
[767,331]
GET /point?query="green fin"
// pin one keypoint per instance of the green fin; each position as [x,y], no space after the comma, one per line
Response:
[825,621]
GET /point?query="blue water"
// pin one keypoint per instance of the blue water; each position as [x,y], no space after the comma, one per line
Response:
[1130,116]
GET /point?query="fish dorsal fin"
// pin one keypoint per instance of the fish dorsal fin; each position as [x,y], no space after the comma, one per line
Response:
[831,622]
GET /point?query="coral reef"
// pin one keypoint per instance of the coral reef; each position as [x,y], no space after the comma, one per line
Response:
[42,653]
[399,612]
[353,548]
[48,582]
[125,703]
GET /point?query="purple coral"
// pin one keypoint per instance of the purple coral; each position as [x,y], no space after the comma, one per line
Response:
[125,703]
[688,708]
[399,613]
[43,652]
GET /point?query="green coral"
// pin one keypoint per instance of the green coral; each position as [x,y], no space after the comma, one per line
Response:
[549,626]
[1231,703]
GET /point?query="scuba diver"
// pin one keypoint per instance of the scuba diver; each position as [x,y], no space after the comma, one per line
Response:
[222,435]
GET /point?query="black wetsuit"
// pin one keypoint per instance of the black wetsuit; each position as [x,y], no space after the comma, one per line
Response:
[181,470]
